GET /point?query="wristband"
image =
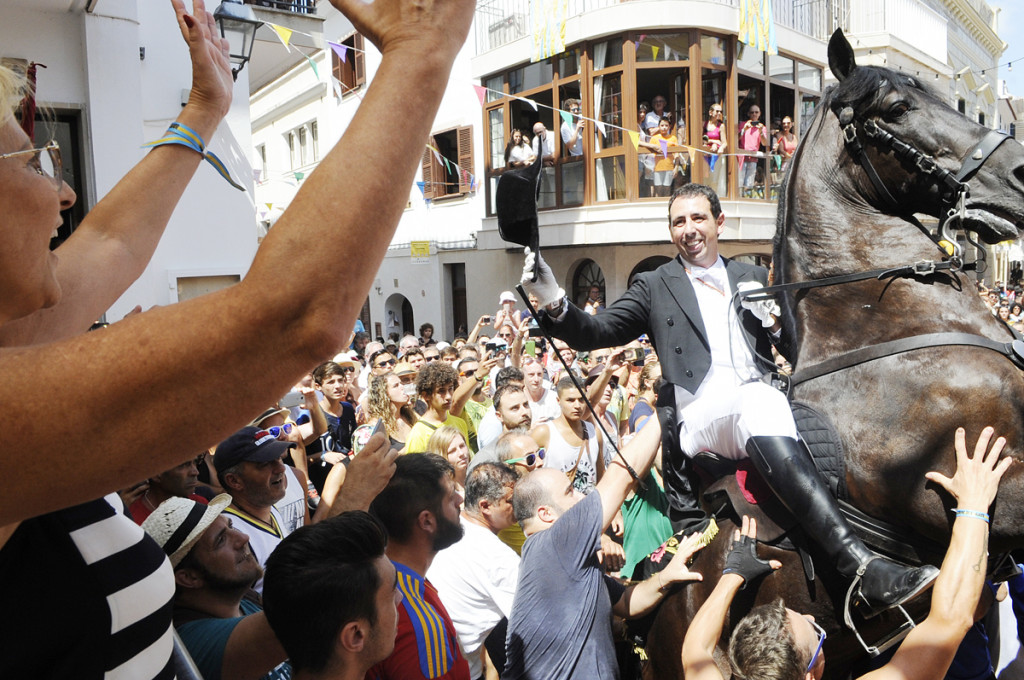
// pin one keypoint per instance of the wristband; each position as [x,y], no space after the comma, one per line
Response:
[182,135]
[973,514]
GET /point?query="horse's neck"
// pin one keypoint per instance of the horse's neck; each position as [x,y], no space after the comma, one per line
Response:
[829,230]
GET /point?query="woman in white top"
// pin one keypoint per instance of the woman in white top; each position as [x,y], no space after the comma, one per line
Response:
[518,152]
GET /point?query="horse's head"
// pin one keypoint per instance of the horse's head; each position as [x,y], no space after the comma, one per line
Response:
[919,148]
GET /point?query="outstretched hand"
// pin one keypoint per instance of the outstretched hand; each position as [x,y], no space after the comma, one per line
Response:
[742,559]
[435,25]
[212,82]
[676,570]
[976,480]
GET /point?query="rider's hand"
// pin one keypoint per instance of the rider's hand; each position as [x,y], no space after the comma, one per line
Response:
[742,559]
[545,287]
[976,480]
[766,310]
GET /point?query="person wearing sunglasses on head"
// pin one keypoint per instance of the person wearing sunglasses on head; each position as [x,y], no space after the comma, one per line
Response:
[294,507]
[775,641]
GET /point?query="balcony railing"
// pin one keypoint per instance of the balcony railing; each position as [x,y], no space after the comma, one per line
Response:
[912,21]
[499,22]
[295,6]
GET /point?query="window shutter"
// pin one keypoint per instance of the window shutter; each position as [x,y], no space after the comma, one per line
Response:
[465,137]
[336,66]
[427,166]
[359,59]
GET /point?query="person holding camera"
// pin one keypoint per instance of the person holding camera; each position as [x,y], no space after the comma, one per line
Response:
[713,397]
[753,137]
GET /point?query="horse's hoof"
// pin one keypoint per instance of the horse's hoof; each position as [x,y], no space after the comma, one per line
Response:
[886,584]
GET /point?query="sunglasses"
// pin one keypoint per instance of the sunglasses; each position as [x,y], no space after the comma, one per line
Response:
[528,458]
[48,165]
[469,373]
[388,362]
[348,369]
[432,358]
[276,430]
[821,642]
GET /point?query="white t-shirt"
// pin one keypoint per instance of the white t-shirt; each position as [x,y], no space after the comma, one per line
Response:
[293,506]
[544,409]
[521,153]
[476,580]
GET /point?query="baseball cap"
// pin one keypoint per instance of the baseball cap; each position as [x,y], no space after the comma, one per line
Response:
[249,444]
[178,523]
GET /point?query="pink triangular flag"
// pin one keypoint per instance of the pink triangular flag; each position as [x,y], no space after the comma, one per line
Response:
[481,93]
[664,147]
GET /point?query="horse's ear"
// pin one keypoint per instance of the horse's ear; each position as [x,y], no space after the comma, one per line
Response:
[840,55]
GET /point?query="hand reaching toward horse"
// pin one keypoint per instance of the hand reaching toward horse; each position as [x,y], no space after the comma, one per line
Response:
[976,480]
[743,560]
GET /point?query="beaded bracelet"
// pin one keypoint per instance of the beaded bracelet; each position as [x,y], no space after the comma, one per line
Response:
[183,135]
[974,514]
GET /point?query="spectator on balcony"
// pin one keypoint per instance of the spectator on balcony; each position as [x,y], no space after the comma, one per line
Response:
[785,143]
[518,153]
[647,158]
[753,139]
[572,134]
[652,121]
[543,144]
[716,142]
[664,165]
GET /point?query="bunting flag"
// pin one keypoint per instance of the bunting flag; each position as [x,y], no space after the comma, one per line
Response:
[437,154]
[566,117]
[420,186]
[529,101]
[284,34]
[339,49]
[654,52]
[312,65]
[663,143]
[481,93]
[256,174]
[337,87]
[634,137]
[757,28]
[300,175]
[547,24]
[601,128]
[270,206]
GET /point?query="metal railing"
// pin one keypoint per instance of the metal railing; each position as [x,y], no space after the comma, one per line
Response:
[499,22]
[295,6]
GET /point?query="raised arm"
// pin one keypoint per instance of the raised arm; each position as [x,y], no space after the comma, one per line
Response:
[120,233]
[615,483]
[161,370]
[929,648]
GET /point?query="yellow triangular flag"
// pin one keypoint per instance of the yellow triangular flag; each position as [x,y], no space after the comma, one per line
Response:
[634,137]
[270,206]
[285,34]
[654,52]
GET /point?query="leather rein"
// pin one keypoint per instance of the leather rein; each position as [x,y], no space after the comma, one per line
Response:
[954,191]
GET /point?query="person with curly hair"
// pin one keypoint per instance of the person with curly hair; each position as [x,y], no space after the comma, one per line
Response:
[388,401]
[438,386]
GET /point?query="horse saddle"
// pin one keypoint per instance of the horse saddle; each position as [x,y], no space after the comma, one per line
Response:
[737,487]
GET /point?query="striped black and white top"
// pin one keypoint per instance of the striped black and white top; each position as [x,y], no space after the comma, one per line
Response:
[85,593]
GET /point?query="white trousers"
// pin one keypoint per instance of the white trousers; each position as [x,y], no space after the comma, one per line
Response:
[721,421]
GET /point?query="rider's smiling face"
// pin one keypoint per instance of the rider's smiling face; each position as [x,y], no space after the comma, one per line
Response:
[695,230]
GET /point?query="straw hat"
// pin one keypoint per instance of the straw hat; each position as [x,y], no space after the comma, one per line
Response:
[179,523]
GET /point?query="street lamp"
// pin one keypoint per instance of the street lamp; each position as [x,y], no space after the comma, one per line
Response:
[238,24]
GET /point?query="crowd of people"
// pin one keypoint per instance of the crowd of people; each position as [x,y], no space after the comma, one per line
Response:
[409,507]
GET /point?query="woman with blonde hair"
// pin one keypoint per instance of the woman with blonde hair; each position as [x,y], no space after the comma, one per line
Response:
[449,443]
[387,400]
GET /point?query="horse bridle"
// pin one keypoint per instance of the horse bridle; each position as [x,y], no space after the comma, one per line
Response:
[954,191]
[953,186]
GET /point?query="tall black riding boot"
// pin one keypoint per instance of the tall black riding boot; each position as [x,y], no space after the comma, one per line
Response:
[787,467]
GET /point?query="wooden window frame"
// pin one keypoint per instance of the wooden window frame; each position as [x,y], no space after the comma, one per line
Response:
[352,72]
[431,168]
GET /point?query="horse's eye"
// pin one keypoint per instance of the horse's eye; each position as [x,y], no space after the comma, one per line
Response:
[897,110]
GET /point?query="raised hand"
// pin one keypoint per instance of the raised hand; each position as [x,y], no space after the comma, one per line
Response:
[430,25]
[546,286]
[976,480]
[742,559]
[212,82]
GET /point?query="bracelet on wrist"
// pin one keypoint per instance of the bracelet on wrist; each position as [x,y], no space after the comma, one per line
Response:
[973,514]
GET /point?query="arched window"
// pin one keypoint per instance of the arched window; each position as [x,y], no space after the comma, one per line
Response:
[588,274]
[648,264]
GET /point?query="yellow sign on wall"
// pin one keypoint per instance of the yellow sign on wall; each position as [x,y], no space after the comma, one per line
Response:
[419,251]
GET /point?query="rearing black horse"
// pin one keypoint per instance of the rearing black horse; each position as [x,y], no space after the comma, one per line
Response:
[895,409]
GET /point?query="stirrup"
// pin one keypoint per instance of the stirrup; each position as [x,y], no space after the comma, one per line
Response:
[890,639]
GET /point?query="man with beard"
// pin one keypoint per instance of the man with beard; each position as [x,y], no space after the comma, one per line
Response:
[420,510]
[217,614]
[250,468]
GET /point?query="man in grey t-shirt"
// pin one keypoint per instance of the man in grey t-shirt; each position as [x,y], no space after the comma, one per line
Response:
[560,626]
